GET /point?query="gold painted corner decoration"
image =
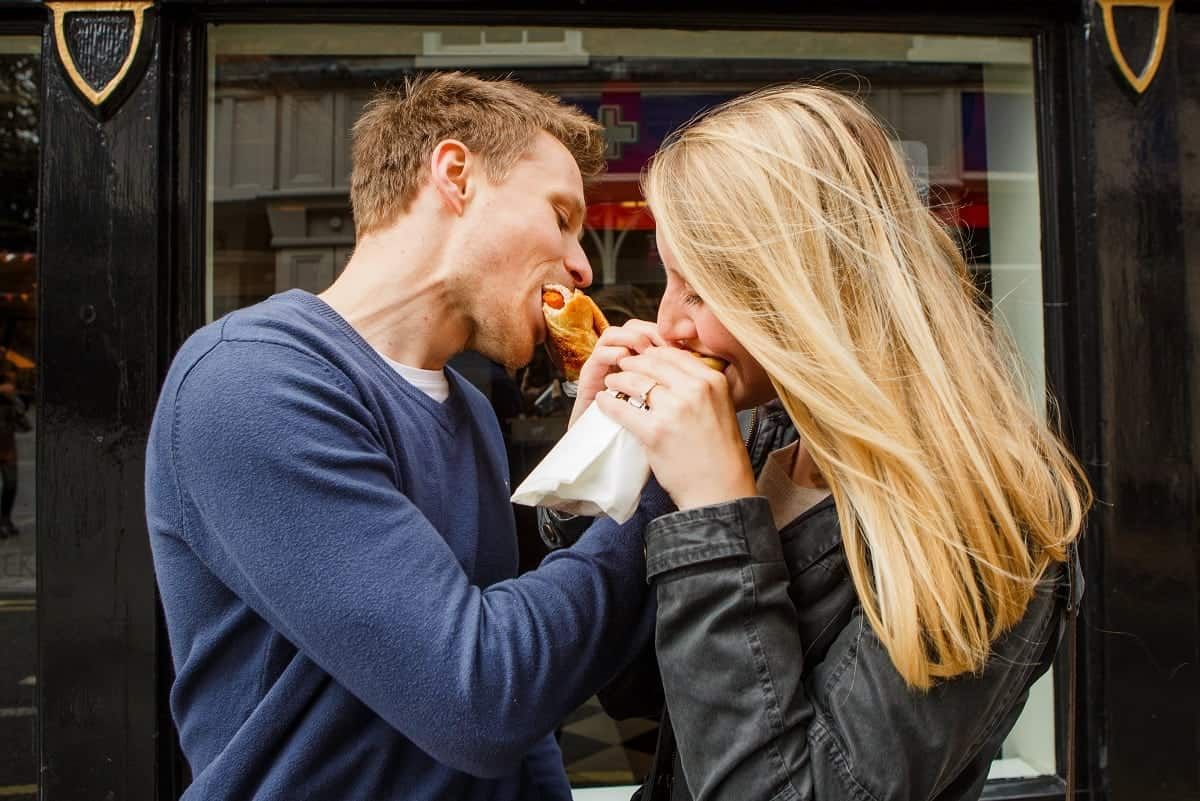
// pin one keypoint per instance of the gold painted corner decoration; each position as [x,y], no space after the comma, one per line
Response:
[61,10]
[1142,79]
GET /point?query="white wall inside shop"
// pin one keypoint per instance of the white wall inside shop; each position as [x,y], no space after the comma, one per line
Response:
[1014,214]
[621,793]
[1016,260]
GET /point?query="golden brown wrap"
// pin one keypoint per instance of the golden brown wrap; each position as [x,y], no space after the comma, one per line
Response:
[712,361]
[571,331]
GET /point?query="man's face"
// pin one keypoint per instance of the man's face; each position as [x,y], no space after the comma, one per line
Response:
[524,233]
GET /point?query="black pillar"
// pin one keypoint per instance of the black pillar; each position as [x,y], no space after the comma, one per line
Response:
[101,236]
[1142,616]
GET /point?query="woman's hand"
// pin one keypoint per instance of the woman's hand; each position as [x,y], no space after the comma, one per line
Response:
[616,343]
[689,429]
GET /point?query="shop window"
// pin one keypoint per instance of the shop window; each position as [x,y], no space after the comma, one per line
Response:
[20,76]
[282,99]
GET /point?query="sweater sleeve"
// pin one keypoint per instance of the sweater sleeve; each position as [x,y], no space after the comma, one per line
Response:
[544,769]
[290,499]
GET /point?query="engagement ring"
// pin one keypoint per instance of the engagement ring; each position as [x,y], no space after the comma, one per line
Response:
[643,401]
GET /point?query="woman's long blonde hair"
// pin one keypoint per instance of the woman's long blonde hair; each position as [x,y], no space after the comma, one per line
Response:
[794,218]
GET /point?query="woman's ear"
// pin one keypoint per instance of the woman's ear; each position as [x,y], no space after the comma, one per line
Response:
[450,167]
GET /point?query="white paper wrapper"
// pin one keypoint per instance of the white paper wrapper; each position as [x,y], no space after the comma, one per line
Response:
[596,468]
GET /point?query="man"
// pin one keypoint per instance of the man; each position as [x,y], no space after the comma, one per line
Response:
[328,503]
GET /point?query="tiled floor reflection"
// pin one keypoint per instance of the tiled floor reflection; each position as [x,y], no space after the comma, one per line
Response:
[598,750]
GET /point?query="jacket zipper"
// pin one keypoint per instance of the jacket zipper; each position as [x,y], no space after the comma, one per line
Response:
[753,426]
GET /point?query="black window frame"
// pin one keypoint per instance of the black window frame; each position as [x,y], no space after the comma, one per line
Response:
[1045,25]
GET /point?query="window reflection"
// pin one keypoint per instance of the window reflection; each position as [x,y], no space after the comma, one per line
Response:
[282,101]
[19,103]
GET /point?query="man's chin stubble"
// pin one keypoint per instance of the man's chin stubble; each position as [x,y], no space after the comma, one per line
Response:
[504,352]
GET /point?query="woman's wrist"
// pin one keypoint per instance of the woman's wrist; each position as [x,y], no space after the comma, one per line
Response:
[696,497]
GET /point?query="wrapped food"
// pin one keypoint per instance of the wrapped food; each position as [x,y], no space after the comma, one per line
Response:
[712,361]
[598,467]
[573,324]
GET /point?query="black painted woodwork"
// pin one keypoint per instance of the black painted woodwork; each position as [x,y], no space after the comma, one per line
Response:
[1143,616]
[105,38]
[1135,27]
[99,255]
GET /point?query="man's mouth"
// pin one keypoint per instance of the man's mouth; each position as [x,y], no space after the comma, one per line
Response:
[541,330]
[555,296]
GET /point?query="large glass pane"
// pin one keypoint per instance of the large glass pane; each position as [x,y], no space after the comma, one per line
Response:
[19,79]
[282,100]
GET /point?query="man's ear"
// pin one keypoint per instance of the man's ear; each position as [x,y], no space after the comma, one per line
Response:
[451,165]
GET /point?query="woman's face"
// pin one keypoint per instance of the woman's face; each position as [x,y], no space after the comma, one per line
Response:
[684,320]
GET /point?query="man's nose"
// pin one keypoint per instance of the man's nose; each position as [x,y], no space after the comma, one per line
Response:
[577,264]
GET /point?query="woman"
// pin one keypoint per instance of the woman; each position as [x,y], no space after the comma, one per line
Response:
[864,620]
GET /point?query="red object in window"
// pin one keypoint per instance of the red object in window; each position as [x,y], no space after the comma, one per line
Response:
[629,215]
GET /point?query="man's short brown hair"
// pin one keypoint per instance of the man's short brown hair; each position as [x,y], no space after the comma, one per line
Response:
[497,119]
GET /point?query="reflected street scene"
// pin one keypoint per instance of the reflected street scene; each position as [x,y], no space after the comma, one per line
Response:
[20,78]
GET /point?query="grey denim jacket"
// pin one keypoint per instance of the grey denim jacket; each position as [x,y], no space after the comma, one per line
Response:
[777,688]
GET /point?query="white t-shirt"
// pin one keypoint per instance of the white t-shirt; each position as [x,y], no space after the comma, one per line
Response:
[432,382]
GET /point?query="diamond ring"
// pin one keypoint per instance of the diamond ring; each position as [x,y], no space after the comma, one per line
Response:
[643,401]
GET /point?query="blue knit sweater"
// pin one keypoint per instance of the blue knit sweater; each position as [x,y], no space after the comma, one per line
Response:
[336,556]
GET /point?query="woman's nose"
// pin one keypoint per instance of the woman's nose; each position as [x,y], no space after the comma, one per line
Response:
[673,321]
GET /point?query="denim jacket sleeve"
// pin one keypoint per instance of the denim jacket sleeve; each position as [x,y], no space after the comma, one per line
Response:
[754,722]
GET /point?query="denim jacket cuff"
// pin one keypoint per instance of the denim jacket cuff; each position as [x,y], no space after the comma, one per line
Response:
[742,528]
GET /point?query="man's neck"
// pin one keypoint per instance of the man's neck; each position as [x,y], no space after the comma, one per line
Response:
[399,297]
